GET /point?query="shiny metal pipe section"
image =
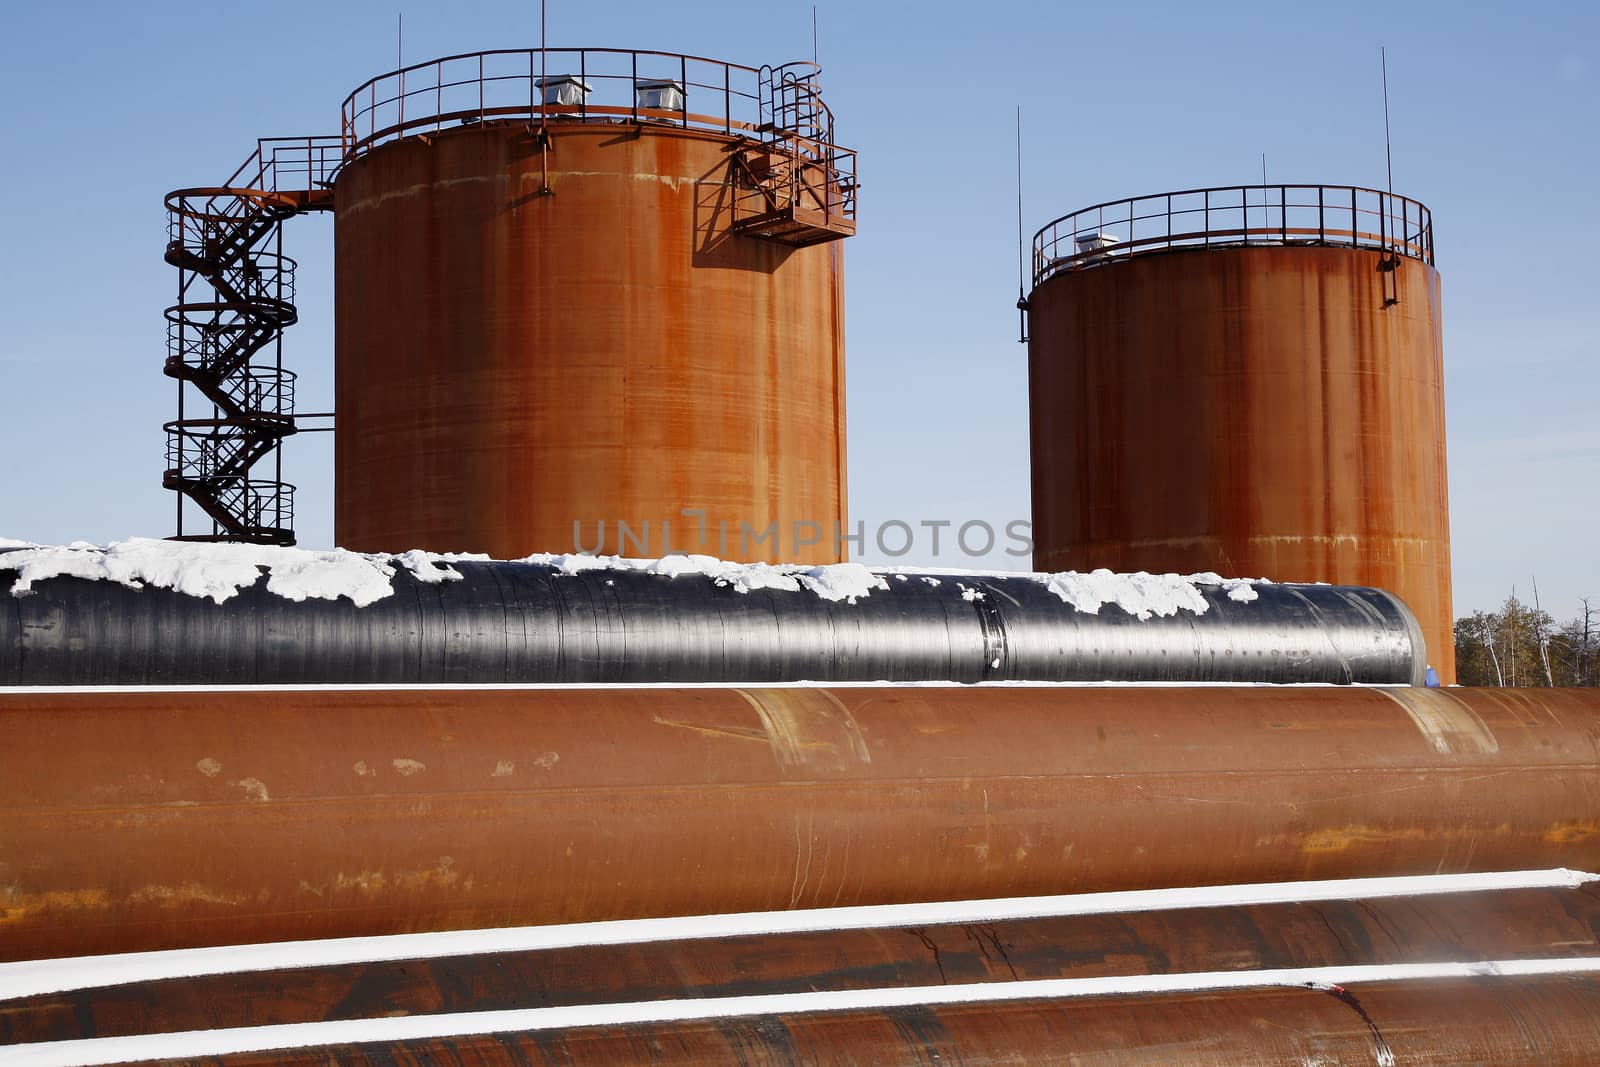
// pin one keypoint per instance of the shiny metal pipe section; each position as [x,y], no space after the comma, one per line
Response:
[1457,1022]
[523,622]
[1437,928]
[140,819]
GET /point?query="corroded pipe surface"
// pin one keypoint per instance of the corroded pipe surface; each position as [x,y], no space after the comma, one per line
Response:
[163,819]
[1449,927]
[1507,1022]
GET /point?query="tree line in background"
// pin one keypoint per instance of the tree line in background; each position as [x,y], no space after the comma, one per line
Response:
[1523,646]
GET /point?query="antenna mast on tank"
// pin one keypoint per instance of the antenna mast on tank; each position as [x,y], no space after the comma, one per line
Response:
[1266,219]
[543,137]
[1388,145]
[1022,261]
[1391,258]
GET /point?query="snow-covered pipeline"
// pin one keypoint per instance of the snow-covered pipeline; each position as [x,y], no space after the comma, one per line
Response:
[147,612]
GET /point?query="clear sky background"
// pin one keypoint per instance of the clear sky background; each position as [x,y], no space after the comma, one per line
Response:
[108,106]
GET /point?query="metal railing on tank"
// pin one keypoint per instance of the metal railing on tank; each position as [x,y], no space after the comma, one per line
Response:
[779,108]
[1329,215]
[559,83]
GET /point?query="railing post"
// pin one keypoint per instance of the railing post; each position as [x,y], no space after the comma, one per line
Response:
[480,88]
[683,80]
[633,87]
[1283,214]
[1355,222]
[1169,220]
[583,76]
[1322,225]
[1383,223]
[1206,225]
[727,100]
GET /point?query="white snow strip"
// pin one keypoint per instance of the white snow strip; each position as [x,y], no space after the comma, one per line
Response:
[835,581]
[220,571]
[36,977]
[206,1043]
[1143,595]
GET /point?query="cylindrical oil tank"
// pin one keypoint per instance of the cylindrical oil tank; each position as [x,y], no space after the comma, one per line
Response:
[556,316]
[1246,381]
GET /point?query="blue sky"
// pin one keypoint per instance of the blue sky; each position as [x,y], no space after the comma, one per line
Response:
[108,106]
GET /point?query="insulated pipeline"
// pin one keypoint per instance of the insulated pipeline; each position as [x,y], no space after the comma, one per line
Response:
[151,819]
[539,623]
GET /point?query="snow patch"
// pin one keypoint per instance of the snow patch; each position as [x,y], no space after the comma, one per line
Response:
[218,572]
[835,581]
[1141,594]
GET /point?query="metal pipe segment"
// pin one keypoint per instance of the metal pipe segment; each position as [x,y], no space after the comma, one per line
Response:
[524,622]
[148,819]
[1434,928]
[1458,1022]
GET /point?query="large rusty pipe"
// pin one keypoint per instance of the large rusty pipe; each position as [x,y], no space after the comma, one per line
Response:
[1546,1021]
[1446,927]
[148,819]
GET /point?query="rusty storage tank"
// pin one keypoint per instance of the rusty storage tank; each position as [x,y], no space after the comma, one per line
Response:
[591,286]
[1245,380]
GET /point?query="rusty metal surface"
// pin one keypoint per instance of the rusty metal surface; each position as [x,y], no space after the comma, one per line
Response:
[1252,411]
[149,819]
[1452,927]
[1507,1022]
[511,363]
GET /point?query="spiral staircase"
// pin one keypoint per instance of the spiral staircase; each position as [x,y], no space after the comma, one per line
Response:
[224,334]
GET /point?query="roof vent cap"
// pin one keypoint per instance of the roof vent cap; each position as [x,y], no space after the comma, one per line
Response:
[1094,247]
[564,90]
[661,94]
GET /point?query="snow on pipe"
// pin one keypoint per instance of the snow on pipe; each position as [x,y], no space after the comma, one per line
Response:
[155,612]
[172,993]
